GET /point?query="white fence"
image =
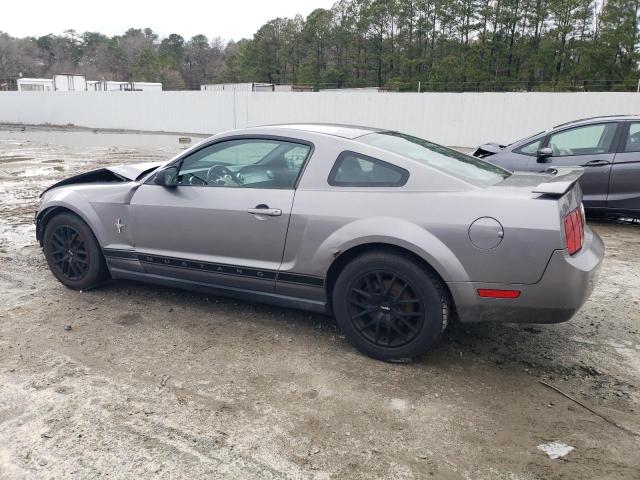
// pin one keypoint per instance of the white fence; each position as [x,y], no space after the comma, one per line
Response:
[457,119]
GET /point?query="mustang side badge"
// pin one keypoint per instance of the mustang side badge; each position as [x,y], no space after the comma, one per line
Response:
[119,226]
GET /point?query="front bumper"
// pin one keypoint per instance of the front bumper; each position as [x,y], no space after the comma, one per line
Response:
[565,285]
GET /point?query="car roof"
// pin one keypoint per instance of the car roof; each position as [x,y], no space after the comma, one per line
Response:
[598,119]
[345,131]
[577,122]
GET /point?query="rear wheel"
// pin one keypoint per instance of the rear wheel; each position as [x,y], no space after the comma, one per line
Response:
[73,253]
[389,306]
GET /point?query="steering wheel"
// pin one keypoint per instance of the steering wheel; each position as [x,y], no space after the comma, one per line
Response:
[560,151]
[219,173]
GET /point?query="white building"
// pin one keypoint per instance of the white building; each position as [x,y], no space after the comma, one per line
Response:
[112,86]
[245,87]
[145,87]
[103,86]
[62,82]
[352,90]
[35,84]
[69,82]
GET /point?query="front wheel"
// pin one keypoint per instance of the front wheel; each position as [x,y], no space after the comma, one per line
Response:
[389,306]
[73,253]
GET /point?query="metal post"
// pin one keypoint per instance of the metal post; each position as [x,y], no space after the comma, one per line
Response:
[638,89]
[419,85]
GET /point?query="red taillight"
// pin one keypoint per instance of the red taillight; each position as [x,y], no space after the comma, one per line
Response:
[574,230]
[490,293]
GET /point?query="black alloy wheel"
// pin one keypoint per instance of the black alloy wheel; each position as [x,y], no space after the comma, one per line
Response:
[69,252]
[73,253]
[390,305]
[385,310]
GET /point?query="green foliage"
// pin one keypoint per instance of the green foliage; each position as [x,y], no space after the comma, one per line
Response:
[145,66]
[137,55]
[171,51]
[447,45]
[455,45]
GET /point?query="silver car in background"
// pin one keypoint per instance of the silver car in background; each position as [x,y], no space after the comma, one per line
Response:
[608,148]
[391,234]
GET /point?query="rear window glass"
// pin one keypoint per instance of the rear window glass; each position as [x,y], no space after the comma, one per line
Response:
[465,167]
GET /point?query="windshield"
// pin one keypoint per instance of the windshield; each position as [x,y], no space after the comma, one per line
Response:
[465,167]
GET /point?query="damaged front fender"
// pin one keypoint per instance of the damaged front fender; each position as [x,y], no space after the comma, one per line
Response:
[78,206]
[488,149]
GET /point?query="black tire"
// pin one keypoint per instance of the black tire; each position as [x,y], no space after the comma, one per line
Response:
[390,306]
[73,253]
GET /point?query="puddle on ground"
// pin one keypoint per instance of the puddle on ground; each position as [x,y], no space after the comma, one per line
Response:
[94,138]
[19,236]
[14,158]
[35,158]
[39,172]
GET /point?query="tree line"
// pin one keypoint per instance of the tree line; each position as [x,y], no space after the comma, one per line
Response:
[137,55]
[446,45]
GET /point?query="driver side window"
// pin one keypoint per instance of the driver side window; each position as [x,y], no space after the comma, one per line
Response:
[247,162]
[585,140]
[530,148]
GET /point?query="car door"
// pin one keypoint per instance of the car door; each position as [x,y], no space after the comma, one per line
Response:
[624,186]
[226,221]
[522,158]
[590,146]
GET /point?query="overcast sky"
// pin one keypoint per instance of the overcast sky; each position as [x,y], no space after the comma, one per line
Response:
[231,19]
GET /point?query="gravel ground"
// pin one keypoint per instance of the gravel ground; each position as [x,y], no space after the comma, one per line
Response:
[135,381]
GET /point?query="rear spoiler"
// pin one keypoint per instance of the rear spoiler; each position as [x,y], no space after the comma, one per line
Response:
[561,183]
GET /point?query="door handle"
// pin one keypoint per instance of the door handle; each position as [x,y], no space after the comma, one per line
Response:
[264,210]
[597,163]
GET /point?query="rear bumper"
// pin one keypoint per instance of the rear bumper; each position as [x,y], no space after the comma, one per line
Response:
[565,285]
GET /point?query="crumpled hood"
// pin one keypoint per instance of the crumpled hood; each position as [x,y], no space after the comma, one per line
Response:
[133,172]
[118,173]
[488,149]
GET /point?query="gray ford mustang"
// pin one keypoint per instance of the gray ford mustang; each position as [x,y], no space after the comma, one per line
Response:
[392,234]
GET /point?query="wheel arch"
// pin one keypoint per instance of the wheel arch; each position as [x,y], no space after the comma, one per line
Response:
[46,214]
[348,255]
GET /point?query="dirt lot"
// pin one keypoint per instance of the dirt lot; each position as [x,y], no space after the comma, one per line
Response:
[135,381]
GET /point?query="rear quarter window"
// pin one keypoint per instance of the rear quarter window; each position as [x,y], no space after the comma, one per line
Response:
[353,169]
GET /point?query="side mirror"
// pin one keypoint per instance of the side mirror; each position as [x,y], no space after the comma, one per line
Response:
[167,177]
[544,154]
